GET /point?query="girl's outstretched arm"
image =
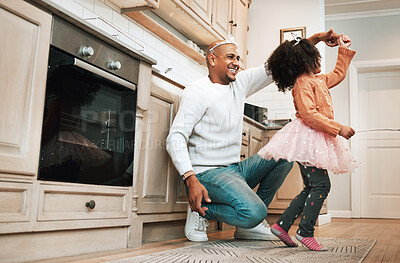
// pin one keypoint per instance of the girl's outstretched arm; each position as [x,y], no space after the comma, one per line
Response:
[345,56]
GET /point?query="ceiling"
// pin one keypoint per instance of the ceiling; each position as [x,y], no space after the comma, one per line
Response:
[335,7]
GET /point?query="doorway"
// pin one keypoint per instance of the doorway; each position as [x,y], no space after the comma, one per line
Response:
[375,96]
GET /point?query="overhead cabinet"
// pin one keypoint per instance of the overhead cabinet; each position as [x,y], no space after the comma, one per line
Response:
[222,17]
[205,21]
[136,5]
[239,26]
[202,8]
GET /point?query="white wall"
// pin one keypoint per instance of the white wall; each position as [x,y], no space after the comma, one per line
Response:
[266,18]
[373,38]
[184,70]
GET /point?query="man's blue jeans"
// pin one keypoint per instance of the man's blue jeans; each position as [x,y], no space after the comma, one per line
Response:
[230,188]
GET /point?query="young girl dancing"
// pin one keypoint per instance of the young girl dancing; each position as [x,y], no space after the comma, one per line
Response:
[311,139]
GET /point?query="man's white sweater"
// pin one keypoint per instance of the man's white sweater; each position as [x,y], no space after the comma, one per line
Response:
[206,132]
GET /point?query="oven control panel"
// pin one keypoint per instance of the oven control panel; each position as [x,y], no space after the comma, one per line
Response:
[93,50]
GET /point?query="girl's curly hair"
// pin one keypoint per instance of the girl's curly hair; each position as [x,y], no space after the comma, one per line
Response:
[288,61]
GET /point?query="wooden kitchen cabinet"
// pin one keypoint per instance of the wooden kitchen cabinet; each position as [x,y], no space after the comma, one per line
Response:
[221,17]
[136,5]
[253,138]
[58,202]
[23,78]
[256,140]
[239,27]
[202,8]
[205,21]
[244,152]
[160,188]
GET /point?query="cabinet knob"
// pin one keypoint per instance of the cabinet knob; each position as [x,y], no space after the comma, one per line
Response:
[243,156]
[244,133]
[235,25]
[231,22]
[91,204]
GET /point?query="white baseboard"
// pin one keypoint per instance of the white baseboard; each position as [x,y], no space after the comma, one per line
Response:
[324,219]
[340,213]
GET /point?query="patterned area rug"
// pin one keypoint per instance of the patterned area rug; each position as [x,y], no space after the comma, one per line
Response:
[340,250]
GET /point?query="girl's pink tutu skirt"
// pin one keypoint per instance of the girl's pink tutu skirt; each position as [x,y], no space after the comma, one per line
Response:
[299,142]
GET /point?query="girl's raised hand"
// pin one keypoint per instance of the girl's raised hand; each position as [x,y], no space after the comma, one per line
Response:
[344,41]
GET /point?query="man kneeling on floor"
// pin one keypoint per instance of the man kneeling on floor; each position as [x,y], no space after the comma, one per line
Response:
[205,142]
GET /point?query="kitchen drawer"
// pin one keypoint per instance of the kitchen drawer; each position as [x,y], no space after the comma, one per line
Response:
[15,202]
[245,133]
[57,202]
[244,152]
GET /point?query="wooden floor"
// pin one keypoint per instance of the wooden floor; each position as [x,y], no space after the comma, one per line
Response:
[385,232]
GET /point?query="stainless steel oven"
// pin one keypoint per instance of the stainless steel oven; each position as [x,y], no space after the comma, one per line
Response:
[90,109]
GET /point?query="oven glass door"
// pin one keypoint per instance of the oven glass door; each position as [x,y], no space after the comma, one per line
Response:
[88,126]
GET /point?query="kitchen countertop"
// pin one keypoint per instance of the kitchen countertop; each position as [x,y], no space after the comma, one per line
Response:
[260,125]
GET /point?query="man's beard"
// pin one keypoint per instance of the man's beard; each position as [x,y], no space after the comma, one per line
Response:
[230,79]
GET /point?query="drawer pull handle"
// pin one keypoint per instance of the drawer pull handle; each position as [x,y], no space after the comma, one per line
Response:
[243,156]
[244,134]
[91,204]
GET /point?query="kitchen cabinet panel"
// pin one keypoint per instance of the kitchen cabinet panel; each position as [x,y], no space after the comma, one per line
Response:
[256,140]
[244,151]
[22,84]
[58,202]
[253,138]
[158,182]
[15,202]
[239,27]
[205,21]
[202,8]
[181,203]
[136,5]
[221,17]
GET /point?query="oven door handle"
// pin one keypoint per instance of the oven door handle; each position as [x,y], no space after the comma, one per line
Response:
[103,73]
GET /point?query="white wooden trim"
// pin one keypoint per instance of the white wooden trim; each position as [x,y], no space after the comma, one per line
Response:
[324,219]
[388,12]
[340,213]
[354,122]
[321,46]
[354,69]
[351,2]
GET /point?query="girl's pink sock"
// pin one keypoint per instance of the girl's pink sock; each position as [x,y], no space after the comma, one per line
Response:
[311,243]
[282,235]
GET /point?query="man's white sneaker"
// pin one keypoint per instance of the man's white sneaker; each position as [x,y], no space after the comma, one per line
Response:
[260,232]
[195,227]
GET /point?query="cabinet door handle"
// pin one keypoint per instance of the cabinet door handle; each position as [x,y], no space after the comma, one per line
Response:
[243,156]
[243,133]
[235,25]
[91,204]
[231,22]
